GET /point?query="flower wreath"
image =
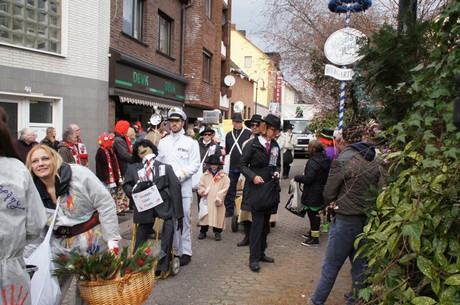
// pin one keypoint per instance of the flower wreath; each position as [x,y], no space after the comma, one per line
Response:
[341,6]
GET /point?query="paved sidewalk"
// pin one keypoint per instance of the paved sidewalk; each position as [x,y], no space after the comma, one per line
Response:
[219,272]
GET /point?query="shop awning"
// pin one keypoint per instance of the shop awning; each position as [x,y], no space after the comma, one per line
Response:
[145,100]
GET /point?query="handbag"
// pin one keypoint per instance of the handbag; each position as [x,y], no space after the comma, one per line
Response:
[287,157]
[294,203]
[44,287]
[203,205]
[264,197]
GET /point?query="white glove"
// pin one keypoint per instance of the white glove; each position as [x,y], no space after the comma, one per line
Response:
[113,245]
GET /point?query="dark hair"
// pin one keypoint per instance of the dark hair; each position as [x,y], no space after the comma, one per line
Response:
[7,149]
[315,146]
[353,133]
[143,142]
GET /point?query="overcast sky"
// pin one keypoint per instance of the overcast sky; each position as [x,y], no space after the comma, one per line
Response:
[247,15]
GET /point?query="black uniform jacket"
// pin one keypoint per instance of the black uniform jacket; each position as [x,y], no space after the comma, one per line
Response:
[169,187]
[255,162]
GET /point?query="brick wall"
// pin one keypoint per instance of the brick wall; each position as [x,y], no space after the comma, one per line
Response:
[243,90]
[146,50]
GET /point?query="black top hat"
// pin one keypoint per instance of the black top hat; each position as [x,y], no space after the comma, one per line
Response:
[288,126]
[256,118]
[272,120]
[327,133]
[207,129]
[214,159]
[237,117]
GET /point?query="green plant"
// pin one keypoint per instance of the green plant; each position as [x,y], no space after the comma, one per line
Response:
[412,238]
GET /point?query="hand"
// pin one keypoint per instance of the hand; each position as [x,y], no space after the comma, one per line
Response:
[180,225]
[258,180]
[218,202]
[276,175]
[113,245]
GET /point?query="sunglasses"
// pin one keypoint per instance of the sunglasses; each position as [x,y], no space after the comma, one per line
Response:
[207,134]
[254,124]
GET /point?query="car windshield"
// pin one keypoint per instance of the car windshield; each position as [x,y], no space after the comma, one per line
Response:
[300,127]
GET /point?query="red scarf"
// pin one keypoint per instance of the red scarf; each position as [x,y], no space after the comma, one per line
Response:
[112,183]
[74,151]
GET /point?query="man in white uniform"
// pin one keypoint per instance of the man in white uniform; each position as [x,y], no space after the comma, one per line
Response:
[183,154]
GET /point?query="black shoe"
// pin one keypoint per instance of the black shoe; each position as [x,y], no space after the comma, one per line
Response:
[185,259]
[311,241]
[202,235]
[121,213]
[243,243]
[157,273]
[217,236]
[307,235]
[267,259]
[254,266]
[229,214]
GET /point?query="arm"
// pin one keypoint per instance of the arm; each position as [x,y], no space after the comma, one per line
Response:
[128,182]
[293,142]
[245,161]
[174,192]
[193,164]
[311,171]
[36,215]
[334,182]
[220,196]
[66,155]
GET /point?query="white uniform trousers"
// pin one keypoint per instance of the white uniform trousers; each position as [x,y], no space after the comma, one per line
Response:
[183,243]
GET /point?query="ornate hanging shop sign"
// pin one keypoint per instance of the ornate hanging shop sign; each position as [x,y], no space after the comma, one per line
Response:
[341,48]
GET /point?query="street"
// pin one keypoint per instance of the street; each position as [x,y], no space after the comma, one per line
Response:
[219,272]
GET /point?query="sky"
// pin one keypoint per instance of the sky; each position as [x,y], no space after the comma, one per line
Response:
[247,15]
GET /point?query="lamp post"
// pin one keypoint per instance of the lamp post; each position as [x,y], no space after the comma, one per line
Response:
[257,90]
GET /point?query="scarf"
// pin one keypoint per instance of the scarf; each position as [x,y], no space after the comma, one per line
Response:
[112,183]
[74,151]
[217,175]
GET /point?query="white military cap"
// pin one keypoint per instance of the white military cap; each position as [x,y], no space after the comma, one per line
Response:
[176,113]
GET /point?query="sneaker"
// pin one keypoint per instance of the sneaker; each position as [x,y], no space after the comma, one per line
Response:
[217,236]
[307,235]
[202,235]
[311,241]
[325,227]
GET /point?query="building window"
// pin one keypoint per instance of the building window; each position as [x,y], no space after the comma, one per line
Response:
[164,33]
[31,24]
[208,8]
[41,112]
[132,18]
[206,67]
[248,61]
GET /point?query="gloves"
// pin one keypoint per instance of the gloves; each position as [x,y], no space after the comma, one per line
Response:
[113,245]
[180,225]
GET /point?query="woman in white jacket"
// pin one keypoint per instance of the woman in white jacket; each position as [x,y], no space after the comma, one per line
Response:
[22,218]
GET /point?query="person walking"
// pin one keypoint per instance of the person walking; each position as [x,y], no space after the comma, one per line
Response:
[50,138]
[145,172]
[214,184]
[233,147]
[182,153]
[22,218]
[355,171]
[260,164]
[313,180]
[27,140]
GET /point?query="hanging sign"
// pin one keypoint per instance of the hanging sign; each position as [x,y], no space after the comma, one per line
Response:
[338,73]
[341,48]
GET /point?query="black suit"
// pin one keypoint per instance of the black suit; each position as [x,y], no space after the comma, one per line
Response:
[170,190]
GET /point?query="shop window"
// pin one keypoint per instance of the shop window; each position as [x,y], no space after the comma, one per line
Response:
[208,8]
[164,33]
[132,18]
[206,67]
[41,112]
[31,24]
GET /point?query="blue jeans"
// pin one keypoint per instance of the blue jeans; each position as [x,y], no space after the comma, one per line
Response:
[342,235]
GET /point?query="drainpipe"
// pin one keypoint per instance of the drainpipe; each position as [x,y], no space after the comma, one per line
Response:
[184,7]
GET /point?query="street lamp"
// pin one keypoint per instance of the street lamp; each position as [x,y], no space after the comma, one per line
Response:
[257,90]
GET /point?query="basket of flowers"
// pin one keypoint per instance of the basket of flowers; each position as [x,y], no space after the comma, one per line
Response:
[109,278]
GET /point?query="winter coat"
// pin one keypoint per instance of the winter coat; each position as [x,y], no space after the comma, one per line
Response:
[65,153]
[22,218]
[352,174]
[314,179]
[287,142]
[23,148]
[215,198]
[168,185]
[255,162]
[121,149]
[102,167]
[54,145]
[80,194]
[234,159]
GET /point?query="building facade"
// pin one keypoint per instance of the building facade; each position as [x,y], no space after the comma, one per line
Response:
[53,66]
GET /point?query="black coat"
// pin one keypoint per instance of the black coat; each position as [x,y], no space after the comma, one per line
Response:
[235,157]
[314,179]
[255,162]
[204,148]
[169,187]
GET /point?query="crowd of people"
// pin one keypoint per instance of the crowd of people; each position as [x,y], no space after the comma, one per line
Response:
[175,165]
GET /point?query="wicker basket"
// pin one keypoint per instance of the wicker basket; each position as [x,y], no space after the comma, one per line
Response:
[132,289]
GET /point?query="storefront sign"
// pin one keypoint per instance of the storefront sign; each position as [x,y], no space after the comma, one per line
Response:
[337,73]
[341,48]
[279,83]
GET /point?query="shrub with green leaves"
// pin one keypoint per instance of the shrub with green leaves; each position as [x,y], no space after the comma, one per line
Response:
[412,238]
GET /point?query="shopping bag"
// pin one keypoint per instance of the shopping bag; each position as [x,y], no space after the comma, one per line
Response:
[203,208]
[291,207]
[44,287]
